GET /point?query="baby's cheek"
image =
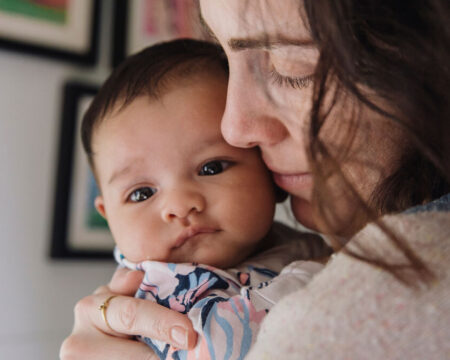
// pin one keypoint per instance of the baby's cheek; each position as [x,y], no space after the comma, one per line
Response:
[251,215]
[131,249]
[134,240]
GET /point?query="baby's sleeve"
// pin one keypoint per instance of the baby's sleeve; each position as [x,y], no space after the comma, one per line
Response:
[228,325]
[225,307]
[293,277]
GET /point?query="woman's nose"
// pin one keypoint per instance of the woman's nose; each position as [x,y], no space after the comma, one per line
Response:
[250,115]
[180,204]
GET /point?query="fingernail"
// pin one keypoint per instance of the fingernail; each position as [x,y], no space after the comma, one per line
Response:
[179,335]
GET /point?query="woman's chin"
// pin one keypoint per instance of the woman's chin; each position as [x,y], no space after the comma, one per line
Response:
[303,212]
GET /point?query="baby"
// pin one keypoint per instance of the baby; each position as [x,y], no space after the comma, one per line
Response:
[183,205]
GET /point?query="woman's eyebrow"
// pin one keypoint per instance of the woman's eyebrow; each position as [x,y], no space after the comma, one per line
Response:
[261,41]
[265,41]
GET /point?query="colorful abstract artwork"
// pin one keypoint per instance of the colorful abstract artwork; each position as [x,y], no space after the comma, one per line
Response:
[46,10]
[174,17]
[60,29]
[140,23]
[93,219]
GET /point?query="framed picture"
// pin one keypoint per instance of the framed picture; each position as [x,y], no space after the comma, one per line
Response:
[61,29]
[140,23]
[78,230]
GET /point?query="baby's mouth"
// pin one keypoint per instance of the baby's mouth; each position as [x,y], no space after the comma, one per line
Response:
[192,232]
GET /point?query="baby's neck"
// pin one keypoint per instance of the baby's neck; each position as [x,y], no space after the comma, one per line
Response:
[266,243]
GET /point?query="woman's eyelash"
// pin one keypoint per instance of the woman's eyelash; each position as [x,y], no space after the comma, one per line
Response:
[294,82]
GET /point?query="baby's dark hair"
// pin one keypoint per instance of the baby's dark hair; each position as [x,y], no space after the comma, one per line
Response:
[151,72]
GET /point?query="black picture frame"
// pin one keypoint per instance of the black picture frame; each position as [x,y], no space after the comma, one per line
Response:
[120,32]
[86,54]
[171,19]
[70,156]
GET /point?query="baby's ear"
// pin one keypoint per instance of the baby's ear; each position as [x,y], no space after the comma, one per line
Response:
[280,194]
[100,206]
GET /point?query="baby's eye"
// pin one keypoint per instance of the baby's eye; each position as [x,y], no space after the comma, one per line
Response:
[141,194]
[213,167]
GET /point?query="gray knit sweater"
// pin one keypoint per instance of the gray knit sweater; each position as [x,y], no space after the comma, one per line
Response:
[352,310]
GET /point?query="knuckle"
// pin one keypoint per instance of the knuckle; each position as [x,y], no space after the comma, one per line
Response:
[69,348]
[101,289]
[127,315]
[132,316]
[82,306]
[159,328]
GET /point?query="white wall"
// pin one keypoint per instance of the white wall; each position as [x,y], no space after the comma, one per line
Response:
[37,294]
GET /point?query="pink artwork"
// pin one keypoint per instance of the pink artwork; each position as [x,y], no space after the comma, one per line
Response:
[168,17]
[148,25]
[184,17]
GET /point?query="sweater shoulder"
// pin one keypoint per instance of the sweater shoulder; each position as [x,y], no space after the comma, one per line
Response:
[352,307]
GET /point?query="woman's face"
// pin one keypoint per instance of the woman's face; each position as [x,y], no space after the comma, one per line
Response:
[272,59]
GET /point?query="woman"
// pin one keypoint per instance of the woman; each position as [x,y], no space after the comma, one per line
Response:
[349,103]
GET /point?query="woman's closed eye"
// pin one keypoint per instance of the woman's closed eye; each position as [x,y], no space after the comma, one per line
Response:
[141,194]
[214,167]
[294,82]
[291,66]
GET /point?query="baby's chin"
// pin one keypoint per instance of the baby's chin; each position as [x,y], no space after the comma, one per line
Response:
[199,252]
[220,263]
[206,258]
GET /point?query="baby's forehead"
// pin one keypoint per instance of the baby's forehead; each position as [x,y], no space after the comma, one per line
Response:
[198,99]
[182,82]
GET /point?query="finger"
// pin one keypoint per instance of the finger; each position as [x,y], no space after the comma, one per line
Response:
[133,316]
[89,317]
[125,281]
[96,348]
[130,316]
[102,290]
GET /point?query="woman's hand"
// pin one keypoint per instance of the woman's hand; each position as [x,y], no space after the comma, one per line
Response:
[91,338]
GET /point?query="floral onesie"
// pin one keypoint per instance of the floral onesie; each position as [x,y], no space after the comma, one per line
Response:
[227,307]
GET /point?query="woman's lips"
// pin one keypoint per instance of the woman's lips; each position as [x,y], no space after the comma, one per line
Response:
[293,183]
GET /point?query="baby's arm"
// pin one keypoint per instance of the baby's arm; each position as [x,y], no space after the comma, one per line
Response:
[226,308]
[228,325]
[293,277]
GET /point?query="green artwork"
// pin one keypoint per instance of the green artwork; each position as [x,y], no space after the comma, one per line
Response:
[96,221]
[53,11]
[93,219]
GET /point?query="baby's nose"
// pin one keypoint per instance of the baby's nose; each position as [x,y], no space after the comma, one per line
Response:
[180,204]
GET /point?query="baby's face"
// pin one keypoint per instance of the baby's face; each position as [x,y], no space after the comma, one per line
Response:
[172,189]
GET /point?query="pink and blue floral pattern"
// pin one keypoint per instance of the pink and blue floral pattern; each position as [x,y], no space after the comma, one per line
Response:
[218,303]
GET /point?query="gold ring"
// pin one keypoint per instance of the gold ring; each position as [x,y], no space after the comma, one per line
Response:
[103,307]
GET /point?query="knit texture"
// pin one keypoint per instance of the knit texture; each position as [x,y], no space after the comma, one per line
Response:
[352,310]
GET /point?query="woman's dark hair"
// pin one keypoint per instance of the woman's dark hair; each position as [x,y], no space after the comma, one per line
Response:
[151,72]
[400,50]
